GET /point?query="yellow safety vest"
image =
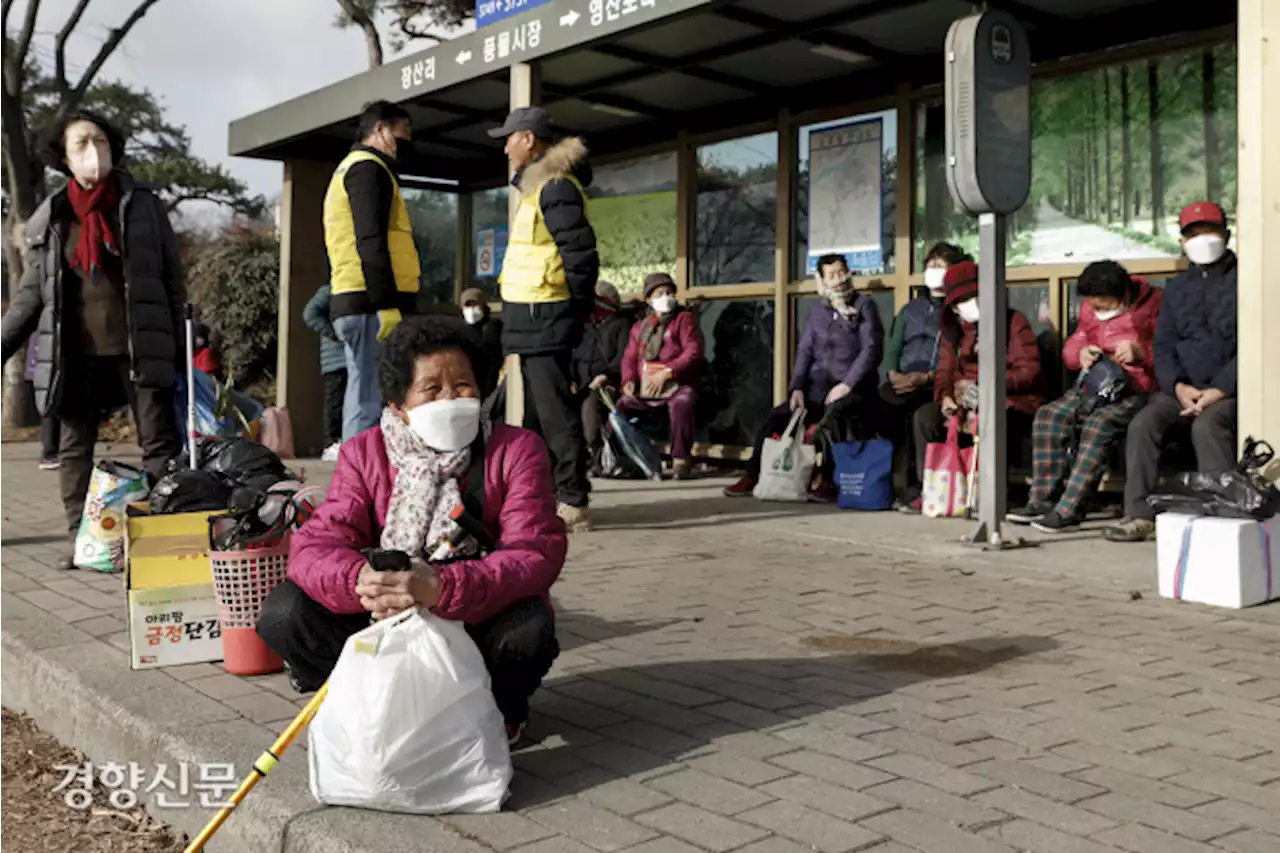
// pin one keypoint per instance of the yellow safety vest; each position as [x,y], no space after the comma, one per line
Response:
[532,270]
[346,273]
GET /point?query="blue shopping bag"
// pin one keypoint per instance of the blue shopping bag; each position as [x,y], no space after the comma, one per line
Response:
[864,474]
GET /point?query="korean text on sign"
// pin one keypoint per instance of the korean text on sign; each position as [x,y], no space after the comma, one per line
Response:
[523,36]
[417,73]
[124,781]
[613,10]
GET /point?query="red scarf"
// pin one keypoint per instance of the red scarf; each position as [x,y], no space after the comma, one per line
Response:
[604,309]
[98,244]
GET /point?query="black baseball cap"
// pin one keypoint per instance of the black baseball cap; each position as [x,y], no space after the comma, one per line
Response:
[533,119]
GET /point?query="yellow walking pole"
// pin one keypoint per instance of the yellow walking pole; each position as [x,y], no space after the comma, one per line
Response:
[264,765]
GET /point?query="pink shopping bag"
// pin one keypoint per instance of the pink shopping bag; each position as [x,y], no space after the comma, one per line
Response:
[276,433]
[948,476]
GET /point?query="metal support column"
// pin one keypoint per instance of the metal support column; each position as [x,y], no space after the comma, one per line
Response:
[993,333]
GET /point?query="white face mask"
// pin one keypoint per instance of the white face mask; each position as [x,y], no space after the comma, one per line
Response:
[91,164]
[968,310]
[1205,249]
[472,314]
[934,278]
[664,304]
[447,425]
[1104,316]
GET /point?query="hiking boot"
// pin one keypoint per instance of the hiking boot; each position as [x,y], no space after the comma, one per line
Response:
[1032,512]
[741,489]
[577,519]
[1131,530]
[1054,522]
[681,469]
[515,731]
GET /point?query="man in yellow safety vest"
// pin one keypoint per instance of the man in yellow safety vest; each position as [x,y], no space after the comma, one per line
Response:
[548,291]
[373,262]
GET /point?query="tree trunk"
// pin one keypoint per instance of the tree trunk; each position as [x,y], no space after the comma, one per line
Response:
[1126,150]
[1157,156]
[1106,125]
[1212,155]
[372,41]
[1096,188]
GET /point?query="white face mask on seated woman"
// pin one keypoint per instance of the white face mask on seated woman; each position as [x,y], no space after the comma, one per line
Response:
[446,425]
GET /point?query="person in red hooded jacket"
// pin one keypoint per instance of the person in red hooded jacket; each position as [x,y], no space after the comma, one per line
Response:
[1117,321]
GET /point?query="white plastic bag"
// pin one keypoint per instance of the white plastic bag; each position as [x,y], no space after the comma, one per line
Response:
[410,724]
[786,465]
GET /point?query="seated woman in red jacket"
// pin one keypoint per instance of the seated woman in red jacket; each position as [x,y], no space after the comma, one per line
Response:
[663,364]
[394,488]
[957,370]
[1118,321]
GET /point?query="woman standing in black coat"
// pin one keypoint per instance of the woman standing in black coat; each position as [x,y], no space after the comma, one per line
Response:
[102,292]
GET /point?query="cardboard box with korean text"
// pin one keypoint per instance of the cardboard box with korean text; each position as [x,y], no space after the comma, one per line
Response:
[173,612]
[1225,562]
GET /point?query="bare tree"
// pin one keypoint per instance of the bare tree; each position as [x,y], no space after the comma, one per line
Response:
[23,169]
[410,20]
[359,13]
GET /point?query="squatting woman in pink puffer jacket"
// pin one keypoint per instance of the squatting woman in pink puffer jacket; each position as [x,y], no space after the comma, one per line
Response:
[395,488]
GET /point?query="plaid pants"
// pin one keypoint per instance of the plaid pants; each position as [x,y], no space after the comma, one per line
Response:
[1057,425]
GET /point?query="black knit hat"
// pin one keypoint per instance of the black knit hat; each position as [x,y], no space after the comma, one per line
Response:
[654,280]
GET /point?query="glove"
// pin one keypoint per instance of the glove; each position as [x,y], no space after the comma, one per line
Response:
[388,319]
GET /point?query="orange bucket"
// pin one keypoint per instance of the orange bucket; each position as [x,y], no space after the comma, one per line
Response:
[244,653]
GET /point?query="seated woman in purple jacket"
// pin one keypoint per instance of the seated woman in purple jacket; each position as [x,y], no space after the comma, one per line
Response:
[395,487]
[837,369]
[662,366]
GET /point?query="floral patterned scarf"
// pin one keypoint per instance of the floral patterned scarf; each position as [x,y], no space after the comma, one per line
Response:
[427,488]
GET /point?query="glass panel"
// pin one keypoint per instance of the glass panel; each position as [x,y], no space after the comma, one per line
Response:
[633,210]
[1116,153]
[884,302]
[1032,301]
[737,388]
[489,238]
[435,231]
[845,198]
[736,211]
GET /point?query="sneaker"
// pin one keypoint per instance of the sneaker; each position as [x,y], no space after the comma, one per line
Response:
[515,731]
[331,452]
[50,464]
[1054,522]
[1030,513]
[681,469]
[1131,530]
[577,519]
[909,507]
[298,682]
[741,489]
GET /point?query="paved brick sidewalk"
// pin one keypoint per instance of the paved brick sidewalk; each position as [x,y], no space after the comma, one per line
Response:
[727,687]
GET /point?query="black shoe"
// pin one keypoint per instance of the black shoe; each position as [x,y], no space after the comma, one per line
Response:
[1052,522]
[1032,512]
[300,683]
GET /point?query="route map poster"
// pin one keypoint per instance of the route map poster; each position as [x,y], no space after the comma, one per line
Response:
[845,198]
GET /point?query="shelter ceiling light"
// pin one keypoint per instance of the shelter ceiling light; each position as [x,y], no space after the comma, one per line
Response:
[615,111]
[839,54]
[446,181]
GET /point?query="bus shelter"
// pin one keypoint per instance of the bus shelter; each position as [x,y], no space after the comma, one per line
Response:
[735,141]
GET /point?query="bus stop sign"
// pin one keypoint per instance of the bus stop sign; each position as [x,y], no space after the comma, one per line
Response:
[988,122]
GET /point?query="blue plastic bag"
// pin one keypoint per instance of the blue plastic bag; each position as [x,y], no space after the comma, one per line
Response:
[207,421]
[864,474]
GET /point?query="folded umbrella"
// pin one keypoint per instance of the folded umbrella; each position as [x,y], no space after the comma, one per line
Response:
[628,440]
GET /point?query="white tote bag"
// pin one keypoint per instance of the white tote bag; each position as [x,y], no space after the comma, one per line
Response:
[786,465]
[410,724]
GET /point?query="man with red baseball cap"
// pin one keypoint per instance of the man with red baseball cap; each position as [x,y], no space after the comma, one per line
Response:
[1195,361]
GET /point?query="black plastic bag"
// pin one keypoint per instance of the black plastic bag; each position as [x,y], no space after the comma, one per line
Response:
[189,491]
[1240,493]
[242,460]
